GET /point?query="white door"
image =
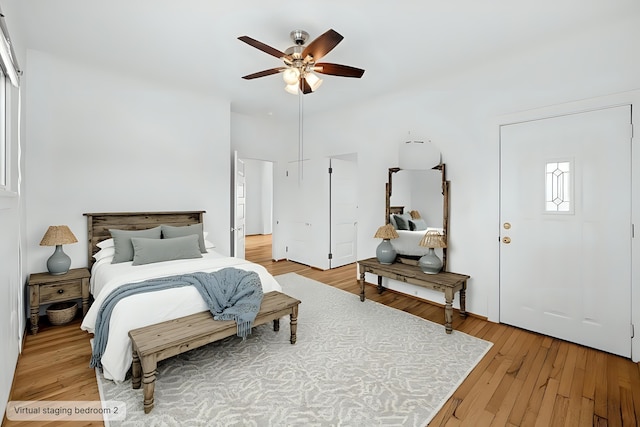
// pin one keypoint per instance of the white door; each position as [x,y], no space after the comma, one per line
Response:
[565,222]
[343,201]
[239,197]
[308,186]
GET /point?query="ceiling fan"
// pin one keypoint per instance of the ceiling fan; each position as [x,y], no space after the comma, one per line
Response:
[302,61]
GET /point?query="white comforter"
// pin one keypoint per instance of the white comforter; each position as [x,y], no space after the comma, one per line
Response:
[148,308]
[408,242]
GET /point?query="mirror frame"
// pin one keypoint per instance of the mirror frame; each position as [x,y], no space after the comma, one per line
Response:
[445,204]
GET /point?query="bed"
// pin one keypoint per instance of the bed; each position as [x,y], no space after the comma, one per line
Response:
[145,309]
[407,243]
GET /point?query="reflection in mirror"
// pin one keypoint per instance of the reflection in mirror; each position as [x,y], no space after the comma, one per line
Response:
[424,191]
[419,190]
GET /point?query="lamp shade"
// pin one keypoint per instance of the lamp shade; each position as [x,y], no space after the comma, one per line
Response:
[291,75]
[292,89]
[433,239]
[386,232]
[313,81]
[58,235]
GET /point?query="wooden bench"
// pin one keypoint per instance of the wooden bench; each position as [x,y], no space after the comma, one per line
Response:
[154,343]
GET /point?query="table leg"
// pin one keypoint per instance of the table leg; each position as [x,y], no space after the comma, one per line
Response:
[276,325]
[294,324]
[149,371]
[448,310]
[136,370]
[35,318]
[380,288]
[463,300]
[85,296]
[362,286]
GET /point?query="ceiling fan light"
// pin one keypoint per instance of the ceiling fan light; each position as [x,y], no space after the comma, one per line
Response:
[313,81]
[291,76]
[292,89]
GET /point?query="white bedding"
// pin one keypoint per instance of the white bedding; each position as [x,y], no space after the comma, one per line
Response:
[148,308]
[408,242]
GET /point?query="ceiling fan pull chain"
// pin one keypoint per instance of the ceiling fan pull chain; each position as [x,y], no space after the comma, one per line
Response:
[300,136]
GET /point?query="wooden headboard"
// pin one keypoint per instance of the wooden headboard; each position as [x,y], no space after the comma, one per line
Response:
[98,224]
[396,210]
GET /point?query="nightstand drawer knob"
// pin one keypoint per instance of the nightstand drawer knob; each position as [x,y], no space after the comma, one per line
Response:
[60,291]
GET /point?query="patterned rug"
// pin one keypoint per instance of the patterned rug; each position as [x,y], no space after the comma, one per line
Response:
[355,364]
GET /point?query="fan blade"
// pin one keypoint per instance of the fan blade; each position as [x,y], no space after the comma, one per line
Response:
[264,73]
[338,70]
[322,45]
[304,87]
[263,47]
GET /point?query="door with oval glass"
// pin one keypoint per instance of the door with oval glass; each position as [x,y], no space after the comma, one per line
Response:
[565,212]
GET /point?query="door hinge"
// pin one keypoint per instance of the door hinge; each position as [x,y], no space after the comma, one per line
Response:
[633,231]
[330,256]
[286,248]
[633,331]
[286,173]
[330,170]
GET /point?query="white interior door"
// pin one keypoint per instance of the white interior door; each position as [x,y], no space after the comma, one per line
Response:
[565,213]
[343,202]
[308,240]
[239,213]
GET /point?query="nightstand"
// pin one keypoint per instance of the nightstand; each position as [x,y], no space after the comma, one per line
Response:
[45,288]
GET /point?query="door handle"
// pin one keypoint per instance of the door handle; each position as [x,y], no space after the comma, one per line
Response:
[506,240]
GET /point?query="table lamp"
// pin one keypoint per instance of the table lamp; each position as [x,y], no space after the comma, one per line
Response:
[385,252]
[58,235]
[430,263]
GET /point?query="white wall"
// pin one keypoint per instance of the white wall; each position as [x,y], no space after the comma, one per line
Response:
[259,191]
[102,142]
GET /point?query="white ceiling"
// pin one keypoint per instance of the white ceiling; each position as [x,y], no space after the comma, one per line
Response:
[399,43]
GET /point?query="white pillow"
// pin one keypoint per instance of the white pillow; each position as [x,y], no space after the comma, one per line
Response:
[104,253]
[207,244]
[106,244]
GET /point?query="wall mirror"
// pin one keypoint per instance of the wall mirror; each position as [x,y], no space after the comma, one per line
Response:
[426,191]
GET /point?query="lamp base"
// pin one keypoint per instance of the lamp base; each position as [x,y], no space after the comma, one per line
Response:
[59,262]
[430,263]
[385,252]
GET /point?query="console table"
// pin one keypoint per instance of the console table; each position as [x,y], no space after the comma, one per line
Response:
[446,282]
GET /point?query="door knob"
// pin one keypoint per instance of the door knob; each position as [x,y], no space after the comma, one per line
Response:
[506,240]
[507,225]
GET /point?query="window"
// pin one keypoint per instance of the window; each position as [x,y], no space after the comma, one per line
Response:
[558,187]
[3,133]
[9,76]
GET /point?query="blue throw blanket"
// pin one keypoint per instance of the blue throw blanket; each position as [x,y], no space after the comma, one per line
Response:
[230,294]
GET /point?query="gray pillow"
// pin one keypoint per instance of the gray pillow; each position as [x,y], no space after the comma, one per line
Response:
[147,251]
[402,221]
[417,224]
[122,242]
[169,232]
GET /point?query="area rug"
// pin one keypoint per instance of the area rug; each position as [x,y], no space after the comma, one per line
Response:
[354,364]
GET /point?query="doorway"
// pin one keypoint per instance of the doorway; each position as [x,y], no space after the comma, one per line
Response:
[258,201]
[565,223]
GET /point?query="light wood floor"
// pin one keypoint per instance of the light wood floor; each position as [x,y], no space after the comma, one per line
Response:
[526,379]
